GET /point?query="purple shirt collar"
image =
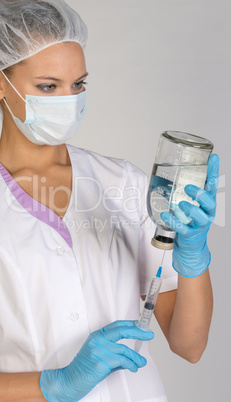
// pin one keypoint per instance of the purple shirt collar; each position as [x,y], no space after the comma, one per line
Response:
[35,208]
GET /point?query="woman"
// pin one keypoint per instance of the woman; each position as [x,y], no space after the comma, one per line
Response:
[75,241]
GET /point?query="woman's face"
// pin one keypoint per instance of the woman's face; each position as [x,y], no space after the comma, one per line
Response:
[57,70]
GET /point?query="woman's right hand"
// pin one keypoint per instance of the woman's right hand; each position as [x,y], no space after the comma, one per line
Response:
[99,356]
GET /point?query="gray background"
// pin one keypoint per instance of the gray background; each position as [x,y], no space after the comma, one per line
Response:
[157,65]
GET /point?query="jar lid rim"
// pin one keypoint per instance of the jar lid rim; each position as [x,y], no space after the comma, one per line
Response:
[191,140]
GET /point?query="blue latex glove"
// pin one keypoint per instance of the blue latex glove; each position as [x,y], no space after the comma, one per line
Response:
[191,256]
[98,357]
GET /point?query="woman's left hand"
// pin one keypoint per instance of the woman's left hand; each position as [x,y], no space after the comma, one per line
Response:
[191,256]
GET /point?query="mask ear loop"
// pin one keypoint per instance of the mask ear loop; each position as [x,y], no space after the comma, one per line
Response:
[13,87]
[4,100]
[8,107]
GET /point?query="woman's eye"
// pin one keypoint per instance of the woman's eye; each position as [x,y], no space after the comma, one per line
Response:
[80,84]
[51,87]
[46,87]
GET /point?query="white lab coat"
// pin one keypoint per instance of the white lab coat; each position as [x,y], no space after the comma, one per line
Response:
[61,279]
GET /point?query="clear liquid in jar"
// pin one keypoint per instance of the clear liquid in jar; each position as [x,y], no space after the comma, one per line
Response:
[166,189]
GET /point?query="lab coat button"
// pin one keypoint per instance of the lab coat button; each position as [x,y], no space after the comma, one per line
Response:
[73,316]
[60,250]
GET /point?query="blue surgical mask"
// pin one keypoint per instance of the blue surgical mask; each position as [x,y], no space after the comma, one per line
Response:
[50,120]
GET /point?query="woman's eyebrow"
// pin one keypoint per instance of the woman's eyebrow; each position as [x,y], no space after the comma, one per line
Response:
[57,79]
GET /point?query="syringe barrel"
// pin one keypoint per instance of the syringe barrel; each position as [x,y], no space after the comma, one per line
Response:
[146,317]
[149,304]
[153,290]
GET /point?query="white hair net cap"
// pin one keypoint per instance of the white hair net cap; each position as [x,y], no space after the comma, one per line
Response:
[27,27]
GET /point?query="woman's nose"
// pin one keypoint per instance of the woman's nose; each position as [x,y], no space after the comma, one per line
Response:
[67,92]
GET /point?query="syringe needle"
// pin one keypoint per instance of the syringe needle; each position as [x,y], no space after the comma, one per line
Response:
[162,259]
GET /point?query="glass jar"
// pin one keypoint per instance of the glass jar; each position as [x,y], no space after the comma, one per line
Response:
[181,159]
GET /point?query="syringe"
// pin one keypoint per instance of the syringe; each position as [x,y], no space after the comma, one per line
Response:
[149,305]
